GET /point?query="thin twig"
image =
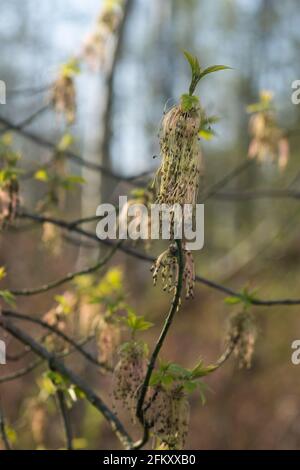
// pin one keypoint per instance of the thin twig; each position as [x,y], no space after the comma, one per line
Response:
[240,196]
[3,432]
[35,364]
[144,257]
[56,331]
[65,418]
[168,322]
[56,365]
[43,142]
[69,277]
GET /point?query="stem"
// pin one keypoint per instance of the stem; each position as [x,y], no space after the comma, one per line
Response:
[173,309]
[3,433]
[65,418]
[58,366]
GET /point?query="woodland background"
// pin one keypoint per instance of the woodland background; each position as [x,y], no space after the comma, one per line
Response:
[252,242]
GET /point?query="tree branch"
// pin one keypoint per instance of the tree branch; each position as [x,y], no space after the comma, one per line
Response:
[173,309]
[37,321]
[69,277]
[144,257]
[3,433]
[65,418]
[56,365]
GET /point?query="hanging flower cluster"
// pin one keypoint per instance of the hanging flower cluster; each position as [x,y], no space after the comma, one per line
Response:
[9,185]
[268,142]
[9,201]
[178,177]
[63,93]
[241,337]
[180,170]
[166,265]
[95,45]
[129,374]
[167,414]
[108,337]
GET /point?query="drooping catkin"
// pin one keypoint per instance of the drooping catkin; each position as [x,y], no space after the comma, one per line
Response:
[268,142]
[179,173]
[241,337]
[167,415]
[129,374]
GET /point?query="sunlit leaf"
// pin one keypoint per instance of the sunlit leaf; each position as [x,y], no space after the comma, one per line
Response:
[41,175]
[214,68]
[8,297]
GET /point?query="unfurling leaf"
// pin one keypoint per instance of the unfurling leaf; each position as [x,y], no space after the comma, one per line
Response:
[189,102]
[214,68]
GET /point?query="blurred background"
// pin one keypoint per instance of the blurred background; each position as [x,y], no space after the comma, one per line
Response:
[251,243]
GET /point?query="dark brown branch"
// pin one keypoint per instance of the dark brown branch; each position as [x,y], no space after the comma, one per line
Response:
[69,277]
[56,365]
[227,179]
[65,418]
[37,321]
[35,364]
[3,433]
[168,322]
[144,257]
[240,196]
[32,117]
[43,142]
[21,372]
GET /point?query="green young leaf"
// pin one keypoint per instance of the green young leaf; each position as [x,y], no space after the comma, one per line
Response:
[213,68]
[7,139]
[202,387]
[9,174]
[2,272]
[69,182]
[11,434]
[206,134]
[190,386]
[65,142]
[41,175]
[189,102]
[245,297]
[79,443]
[8,297]
[232,300]
[137,323]
[71,68]
[194,63]
[64,304]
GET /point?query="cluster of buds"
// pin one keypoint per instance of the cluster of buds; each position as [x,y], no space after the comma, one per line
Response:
[58,318]
[9,184]
[108,336]
[268,142]
[129,374]
[36,414]
[140,198]
[9,201]
[63,93]
[180,171]
[95,45]
[167,413]
[241,337]
[167,265]
[51,238]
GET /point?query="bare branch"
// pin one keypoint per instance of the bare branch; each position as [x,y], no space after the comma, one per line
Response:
[37,321]
[144,257]
[65,418]
[69,277]
[173,309]
[3,433]
[56,365]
